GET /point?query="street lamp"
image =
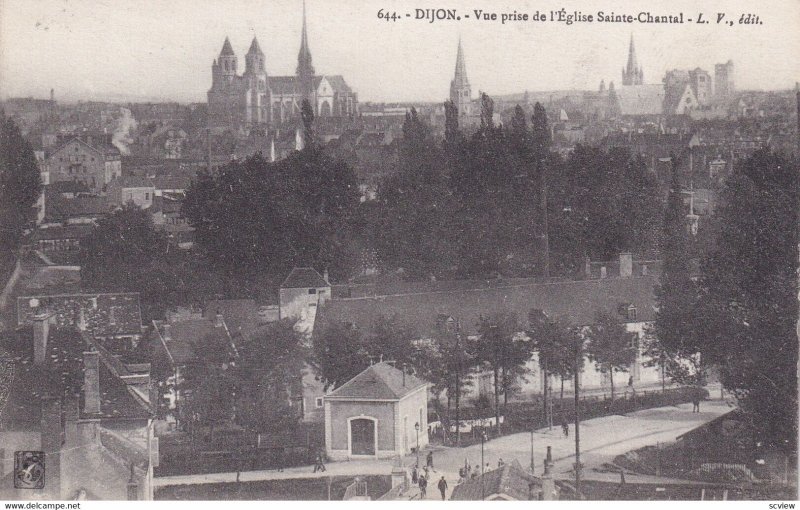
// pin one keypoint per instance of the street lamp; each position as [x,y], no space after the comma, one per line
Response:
[483,440]
[416,428]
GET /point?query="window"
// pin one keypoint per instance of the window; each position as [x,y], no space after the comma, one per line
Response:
[312,291]
[147,196]
[631,313]
[318,402]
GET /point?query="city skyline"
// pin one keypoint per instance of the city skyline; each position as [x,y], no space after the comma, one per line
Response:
[79,57]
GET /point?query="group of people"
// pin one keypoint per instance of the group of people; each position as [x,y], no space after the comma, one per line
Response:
[421,479]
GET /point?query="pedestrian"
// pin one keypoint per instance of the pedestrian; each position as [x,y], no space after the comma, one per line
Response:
[319,464]
[500,463]
[488,468]
[442,487]
[427,474]
[414,474]
[696,401]
[429,461]
[423,485]
[564,426]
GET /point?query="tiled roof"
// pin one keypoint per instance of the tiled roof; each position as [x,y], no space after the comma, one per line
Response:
[61,232]
[241,315]
[60,208]
[104,314]
[195,340]
[510,480]
[379,382]
[576,302]
[171,181]
[304,277]
[132,181]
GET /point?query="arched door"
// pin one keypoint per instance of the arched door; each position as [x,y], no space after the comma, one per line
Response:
[362,436]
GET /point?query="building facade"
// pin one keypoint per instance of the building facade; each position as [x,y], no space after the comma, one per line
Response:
[93,161]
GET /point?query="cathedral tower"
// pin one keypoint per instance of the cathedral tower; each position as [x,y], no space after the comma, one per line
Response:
[255,76]
[460,91]
[632,74]
[305,69]
[227,61]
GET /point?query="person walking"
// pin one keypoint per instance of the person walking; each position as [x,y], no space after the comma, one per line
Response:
[564,426]
[414,474]
[319,465]
[429,461]
[500,463]
[442,485]
[423,485]
[696,400]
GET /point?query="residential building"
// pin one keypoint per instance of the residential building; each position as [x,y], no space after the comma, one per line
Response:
[301,293]
[92,160]
[126,189]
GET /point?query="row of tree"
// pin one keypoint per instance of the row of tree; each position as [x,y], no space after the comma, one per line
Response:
[502,346]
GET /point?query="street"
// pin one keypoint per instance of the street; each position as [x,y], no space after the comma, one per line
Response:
[601,440]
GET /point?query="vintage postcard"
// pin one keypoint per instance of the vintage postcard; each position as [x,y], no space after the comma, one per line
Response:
[399,250]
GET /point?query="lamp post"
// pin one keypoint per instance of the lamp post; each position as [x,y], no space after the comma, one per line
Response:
[416,428]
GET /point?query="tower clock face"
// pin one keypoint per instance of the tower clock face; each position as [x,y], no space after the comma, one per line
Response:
[29,470]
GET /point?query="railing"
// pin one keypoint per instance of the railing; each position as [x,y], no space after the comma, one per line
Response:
[711,467]
[356,490]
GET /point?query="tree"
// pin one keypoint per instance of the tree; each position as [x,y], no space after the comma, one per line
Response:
[20,185]
[339,353]
[125,253]
[268,373]
[209,395]
[416,227]
[747,309]
[610,346]
[500,349]
[676,342]
[554,341]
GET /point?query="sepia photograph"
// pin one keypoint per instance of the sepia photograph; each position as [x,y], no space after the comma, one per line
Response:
[399,250]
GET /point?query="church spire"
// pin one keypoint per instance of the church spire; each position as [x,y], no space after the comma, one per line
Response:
[305,69]
[632,73]
[632,64]
[460,79]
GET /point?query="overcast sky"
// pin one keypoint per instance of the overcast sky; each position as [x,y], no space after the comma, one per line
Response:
[163,49]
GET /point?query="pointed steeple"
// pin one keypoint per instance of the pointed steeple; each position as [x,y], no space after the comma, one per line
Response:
[632,66]
[304,57]
[255,48]
[226,48]
[460,79]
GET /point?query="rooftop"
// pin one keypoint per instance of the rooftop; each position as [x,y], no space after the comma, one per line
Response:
[378,382]
[304,277]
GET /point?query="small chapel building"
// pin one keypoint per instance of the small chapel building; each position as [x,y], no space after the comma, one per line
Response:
[380,413]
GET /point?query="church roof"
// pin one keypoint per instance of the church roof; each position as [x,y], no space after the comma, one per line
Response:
[460,78]
[283,84]
[337,83]
[226,48]
[378,382]
[641,99]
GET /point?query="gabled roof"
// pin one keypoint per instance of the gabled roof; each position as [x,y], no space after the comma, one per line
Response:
[378,382]
[196,340]
[241,315]
[510,481]
[304,277]
[337,83]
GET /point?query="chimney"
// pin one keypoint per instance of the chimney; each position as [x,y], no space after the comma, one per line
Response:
[625,265]
[41,330]
[325,276]
[91,382]
[218,320]
[165,333]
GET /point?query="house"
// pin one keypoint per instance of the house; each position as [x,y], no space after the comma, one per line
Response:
[92,160]
[380,413]
[301,293]
[130,188]
[507,483]
[85,410]
[113,318]
[59,238]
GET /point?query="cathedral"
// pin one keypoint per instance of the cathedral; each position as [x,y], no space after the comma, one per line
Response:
[257,99]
